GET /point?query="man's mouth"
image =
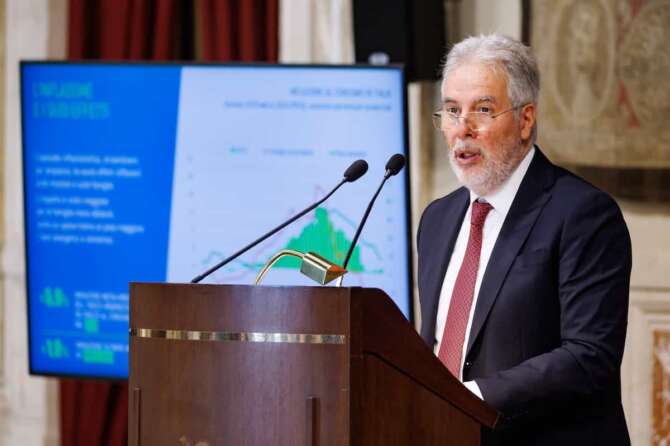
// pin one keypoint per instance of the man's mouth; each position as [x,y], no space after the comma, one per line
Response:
[467,156]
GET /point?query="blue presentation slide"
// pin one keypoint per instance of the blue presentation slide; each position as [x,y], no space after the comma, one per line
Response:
[157,172]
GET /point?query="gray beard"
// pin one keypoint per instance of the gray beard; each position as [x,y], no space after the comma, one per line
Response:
[493,174]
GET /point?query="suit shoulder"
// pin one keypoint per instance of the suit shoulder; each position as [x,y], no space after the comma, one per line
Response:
[448,200]
[431,215]
[577,191]
[583,205]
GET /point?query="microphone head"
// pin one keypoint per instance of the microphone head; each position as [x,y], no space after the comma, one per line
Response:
[395,164]
[356,170]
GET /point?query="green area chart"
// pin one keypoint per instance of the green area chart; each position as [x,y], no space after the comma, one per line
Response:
[321,236]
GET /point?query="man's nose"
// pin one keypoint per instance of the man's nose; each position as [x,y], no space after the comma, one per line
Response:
[462,129]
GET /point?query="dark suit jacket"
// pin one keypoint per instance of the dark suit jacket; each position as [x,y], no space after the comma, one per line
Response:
[549,326]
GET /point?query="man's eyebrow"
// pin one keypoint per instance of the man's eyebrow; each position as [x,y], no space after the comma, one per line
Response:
[486,99]
[491,99]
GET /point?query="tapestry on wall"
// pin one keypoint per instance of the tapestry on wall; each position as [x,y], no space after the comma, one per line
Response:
[605,99]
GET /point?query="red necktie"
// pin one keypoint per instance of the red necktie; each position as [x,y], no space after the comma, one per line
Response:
[451,348]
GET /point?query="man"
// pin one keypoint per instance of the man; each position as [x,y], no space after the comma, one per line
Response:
[523,272]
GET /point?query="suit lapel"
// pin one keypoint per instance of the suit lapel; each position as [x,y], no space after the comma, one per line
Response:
[449,227]
[533,193]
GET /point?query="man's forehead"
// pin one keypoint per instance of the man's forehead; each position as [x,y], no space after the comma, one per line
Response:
[474,82]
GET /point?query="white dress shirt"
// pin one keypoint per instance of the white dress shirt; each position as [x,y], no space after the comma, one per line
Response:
[501,201]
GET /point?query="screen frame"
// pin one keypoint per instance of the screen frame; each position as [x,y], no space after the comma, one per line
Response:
[400,68]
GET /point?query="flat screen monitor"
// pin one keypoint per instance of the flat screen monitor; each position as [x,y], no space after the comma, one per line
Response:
[155,172]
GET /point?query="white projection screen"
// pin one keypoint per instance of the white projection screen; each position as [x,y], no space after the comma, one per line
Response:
[155,172]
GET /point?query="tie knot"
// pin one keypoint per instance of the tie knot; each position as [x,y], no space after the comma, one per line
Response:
[479,212]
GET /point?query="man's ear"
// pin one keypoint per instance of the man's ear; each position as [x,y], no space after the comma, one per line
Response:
[527,120]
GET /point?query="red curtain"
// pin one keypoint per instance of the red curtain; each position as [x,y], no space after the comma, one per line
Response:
[244,30]
[96,412]
[209,30]
[125,29]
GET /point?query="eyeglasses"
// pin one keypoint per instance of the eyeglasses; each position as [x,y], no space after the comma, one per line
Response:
[476,121]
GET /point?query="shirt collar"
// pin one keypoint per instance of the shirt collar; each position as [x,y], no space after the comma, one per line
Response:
[501,200]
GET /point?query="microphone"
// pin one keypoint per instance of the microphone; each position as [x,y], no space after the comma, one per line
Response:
[356,170]
[393,166]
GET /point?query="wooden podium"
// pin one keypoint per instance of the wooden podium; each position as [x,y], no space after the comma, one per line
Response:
[254,365]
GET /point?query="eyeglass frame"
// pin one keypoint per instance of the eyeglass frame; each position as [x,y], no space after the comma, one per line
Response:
[456,119]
